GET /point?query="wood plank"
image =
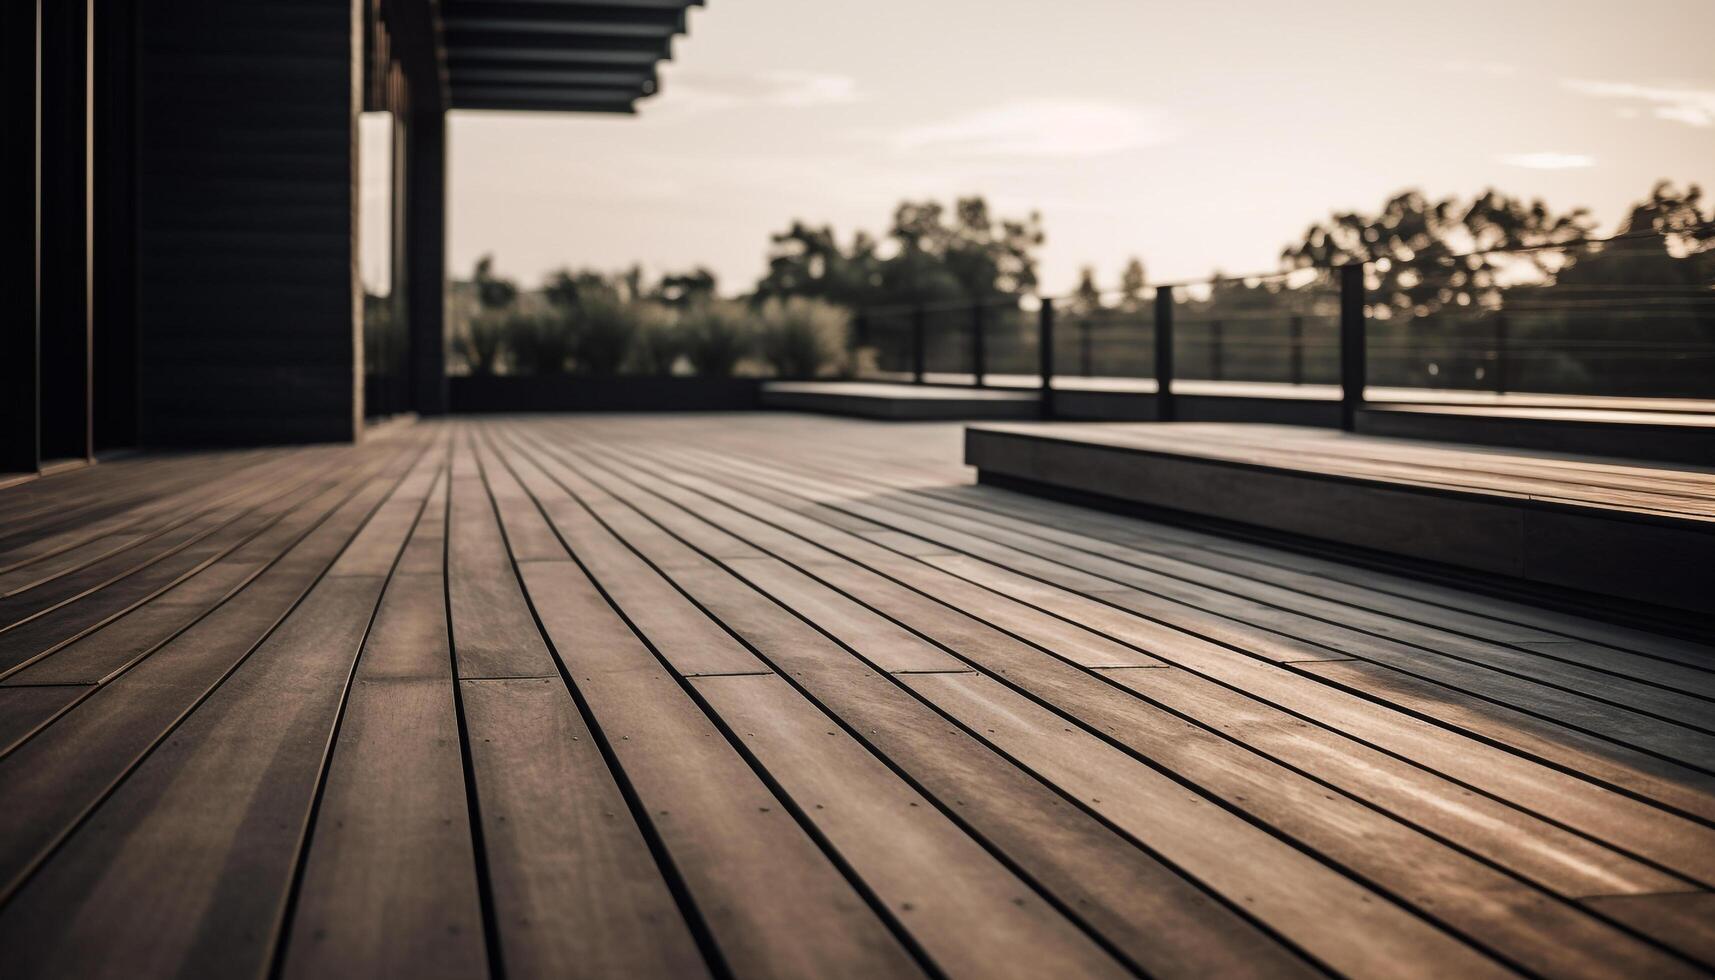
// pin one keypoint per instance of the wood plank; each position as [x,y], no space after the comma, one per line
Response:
[690,641]
[1073,641]
[52,781]
[1685,922]
[25,709]
[576,889]
[771,899]
[389,886]
[389,882]
[1204,560]
[493,632]
[210,820]
[99,655]
[217,811]
[1559,704]
[1156,917]
[54,628]
[1146,673]
[1559,860]
[970,914]
[1304,900]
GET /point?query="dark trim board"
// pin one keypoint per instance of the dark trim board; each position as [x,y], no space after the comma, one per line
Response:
[469,394]
[1666,436]
[1114,406]
[1648,559]
[901,402]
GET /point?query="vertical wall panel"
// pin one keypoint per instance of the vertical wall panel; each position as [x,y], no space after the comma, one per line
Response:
[67,123]
[20,256]
[248,294]
[113,315]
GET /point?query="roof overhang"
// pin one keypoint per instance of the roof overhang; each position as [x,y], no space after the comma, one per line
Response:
[556,55]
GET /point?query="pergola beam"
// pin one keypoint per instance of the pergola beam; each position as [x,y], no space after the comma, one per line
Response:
[603,20]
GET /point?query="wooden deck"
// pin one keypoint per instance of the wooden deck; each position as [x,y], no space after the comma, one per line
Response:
[1612,531]
[777,695]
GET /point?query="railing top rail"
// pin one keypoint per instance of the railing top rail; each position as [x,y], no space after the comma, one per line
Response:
[1580,243]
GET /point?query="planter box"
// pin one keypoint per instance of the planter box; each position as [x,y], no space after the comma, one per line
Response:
[571,393]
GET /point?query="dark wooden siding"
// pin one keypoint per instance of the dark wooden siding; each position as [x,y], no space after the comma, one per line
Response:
[247,278]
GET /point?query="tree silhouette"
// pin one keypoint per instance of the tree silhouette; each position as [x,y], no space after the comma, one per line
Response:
[492,291]
[1132,283]
[934,255]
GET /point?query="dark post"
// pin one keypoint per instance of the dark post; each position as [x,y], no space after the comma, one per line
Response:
[978,354]
[1352,368]
[1215,365]
[1164,408]
[1084,348]
[67,164]
[1503,360]
[1295,331]
[1045,355]
[425,257]
[20,136]
[114,310]
[917,344]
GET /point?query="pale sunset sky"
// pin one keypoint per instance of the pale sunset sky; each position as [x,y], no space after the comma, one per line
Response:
[1195,135]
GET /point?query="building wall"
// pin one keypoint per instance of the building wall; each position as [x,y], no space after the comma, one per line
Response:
[249,305]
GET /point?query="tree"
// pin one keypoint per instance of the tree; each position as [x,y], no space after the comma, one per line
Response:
[1132,283]
[683,289]
[933,255]
[1086,298]
[492,291]
[808,261]
[1428,254]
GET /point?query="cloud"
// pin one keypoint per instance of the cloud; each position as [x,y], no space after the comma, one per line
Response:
[1494,69]
[793,89]
[1548,161]
[1690,106]
[1040,128]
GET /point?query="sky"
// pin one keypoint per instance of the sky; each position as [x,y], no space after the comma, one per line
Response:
[1197,136]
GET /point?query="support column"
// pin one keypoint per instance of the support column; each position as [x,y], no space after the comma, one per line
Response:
[67,165]
[113,310]
[425,230]
[20,136]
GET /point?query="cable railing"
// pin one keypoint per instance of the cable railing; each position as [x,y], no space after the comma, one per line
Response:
[1632,316]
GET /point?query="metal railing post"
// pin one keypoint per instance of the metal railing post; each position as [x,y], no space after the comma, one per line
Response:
[917,344]
[1084,358]
[1295,331]
[1216,367]
[1045,355]
[978,354]
[1164,407]
[1352,352]
[1503,360]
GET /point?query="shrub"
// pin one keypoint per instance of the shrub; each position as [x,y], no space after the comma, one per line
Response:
[480,343]
[605,330]
[539,342]
[803,338]
[717,335]
[660,341]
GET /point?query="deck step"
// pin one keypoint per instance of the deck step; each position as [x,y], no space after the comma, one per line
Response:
[900,401]
[1613,528]
[1651,434]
